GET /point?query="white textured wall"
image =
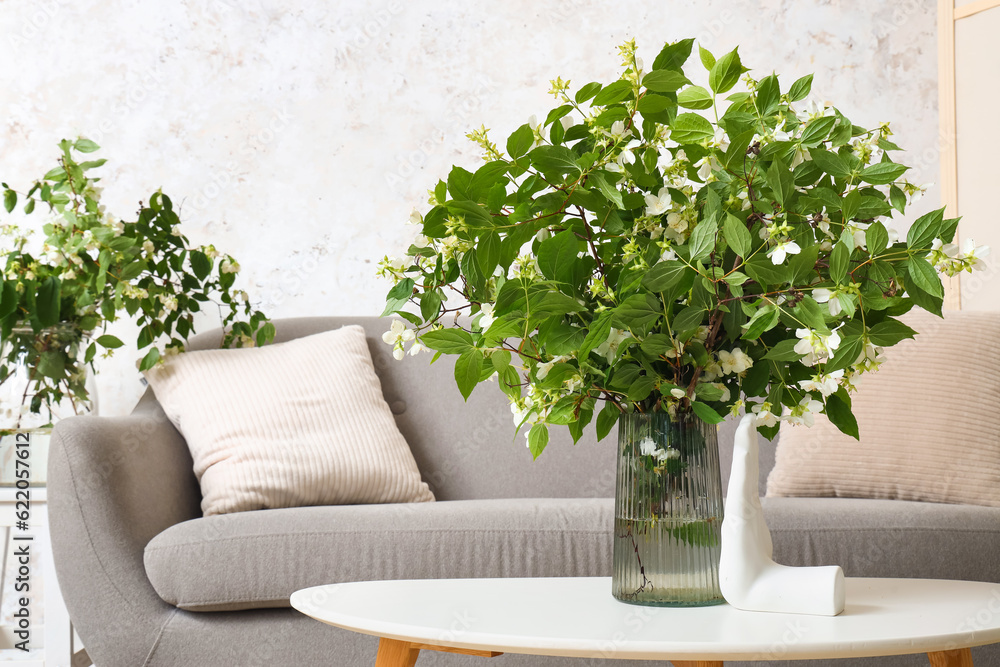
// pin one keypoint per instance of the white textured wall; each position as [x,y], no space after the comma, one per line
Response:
[299,134]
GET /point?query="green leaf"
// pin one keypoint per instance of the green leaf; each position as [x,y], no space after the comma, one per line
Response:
[829,162]
[474,214]
[200,264]
[448,341]
[8,298]
[109,341]
[557,256]
[664,80]
[673,56]
[765,273]
[850,204]
[613,93]
[768,95]
[779,178]
[650,104]
[597,334]
[925,277]
[459,181]
[582,95]
[488,253]
[702,240]
[800,89]
[924,230]
[9,200]
[500,360]
[803,264]
[706,413]
[85,146]
[784,351]
[817,130]
[656,344]
[737,235]
[838,409]
[690,128]
[687,320]
[610,192]
[52,364]
[664,275]
[839,260]
[520,142]
[707,59]
[876,238]
[538,439]
[554,159]
[889,332]
[882,173]
[764,319]
[48,302]
[606,420]
[637,311]
[725,72]
[897,198]
[468,367]
[641,388]
[694,97]
[150,360]
[430,305]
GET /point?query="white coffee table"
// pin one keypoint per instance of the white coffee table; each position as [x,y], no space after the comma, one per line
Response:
[577,617]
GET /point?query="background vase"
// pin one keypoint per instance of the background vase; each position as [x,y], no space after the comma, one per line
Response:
[668,512]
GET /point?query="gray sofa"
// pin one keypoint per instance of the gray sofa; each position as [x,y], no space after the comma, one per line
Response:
[148,581]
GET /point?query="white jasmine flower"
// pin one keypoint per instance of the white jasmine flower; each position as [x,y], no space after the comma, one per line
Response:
[396,336]
[417,348]
[487,320]
[814,346]
[229,265]
[803,412]
[609,348]
[169,303]
[148,247]
[677,222]
[783,249]
[829,297]
[677,392]
[825,384]
[735,361]
[415,217]
[567,121]
[542,370]
[618,131]
[974,254]
[623,158]
[658,204]
[646,446]
[663,455]
[668,254]
[764,415]
[536,129]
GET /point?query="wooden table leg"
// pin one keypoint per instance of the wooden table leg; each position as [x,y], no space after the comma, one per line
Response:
[394,653]
[959,658]
[700,663]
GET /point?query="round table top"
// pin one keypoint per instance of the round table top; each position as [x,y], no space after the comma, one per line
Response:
[578,617]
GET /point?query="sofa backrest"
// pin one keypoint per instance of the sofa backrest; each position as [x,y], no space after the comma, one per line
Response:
[468,449]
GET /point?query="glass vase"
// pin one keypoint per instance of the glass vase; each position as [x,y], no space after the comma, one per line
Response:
[668,512]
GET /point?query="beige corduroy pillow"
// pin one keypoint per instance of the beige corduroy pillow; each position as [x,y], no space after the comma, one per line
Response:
[929,420]
[286,425]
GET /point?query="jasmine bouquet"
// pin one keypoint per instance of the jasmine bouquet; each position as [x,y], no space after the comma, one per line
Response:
[59,290]
[653,245]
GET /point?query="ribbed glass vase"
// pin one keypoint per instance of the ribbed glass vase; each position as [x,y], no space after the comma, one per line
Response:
[668,512]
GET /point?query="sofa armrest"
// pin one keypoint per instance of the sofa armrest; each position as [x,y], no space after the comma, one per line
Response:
[115,483]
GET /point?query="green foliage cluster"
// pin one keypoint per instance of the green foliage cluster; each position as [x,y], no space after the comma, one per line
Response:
[58,296]
[662,246]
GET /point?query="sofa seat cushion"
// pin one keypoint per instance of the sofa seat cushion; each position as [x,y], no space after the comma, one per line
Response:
[258,559]
[887,538]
